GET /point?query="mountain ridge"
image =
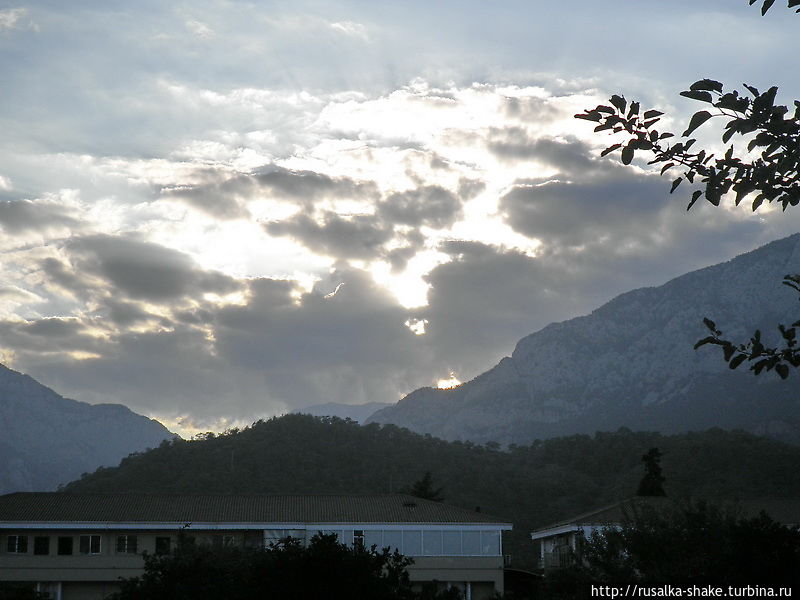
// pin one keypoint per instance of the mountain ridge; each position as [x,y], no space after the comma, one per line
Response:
[631,363]
[49,440]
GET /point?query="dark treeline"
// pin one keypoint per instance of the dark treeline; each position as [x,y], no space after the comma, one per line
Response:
[529,485]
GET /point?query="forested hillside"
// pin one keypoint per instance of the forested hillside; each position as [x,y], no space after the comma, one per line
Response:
[527,485]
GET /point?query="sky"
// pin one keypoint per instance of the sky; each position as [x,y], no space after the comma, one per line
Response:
[218,211]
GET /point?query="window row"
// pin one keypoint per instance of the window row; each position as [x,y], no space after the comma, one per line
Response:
[87,544]
[409,542]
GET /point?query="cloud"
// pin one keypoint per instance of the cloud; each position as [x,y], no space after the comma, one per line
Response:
[12,18]
[515,143]
[199,29]
[350,28]
[431,205]
[358,236]
[144,270]
[307,187]
[219,195]
[22,216]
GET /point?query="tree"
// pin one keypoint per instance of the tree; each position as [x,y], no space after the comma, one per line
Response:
[773,175]
[424,489]
[651,483]
[692,543]
[19,591]
[323,569]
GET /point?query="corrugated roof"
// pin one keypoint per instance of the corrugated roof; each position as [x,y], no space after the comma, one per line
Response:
[232,508]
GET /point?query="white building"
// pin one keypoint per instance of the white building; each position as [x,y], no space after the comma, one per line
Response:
[77,546]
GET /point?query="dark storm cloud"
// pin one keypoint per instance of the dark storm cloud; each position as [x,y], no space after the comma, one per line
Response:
[346,339]
[430,205]
[576,213]
[21,216]
[144,270]
[222,196]
[306,187]
[65,277]
[47,335]
[124,313]
[530,109]
[487,297]
[359,236]
[515,143]
[225,196]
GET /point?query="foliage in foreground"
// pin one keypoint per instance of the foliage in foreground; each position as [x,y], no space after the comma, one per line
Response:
[323,569]
[683,544]
[767,171]
[19,591]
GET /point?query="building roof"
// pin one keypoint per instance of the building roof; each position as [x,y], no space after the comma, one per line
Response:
[783,510]
[44,507]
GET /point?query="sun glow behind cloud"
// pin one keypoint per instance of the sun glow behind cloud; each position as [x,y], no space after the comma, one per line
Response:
[451,382]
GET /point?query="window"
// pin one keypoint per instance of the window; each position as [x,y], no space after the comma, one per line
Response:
[162,545]
[90,544]
[126,544]
[412,543]
[373,538]
[65,545]
[393,539]
[17,544]
[490,543]
[432,543]
[451,543]
[41,544]
[358,538]
[471,543]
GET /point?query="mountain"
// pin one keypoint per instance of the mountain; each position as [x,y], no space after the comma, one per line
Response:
[631,363]
[48,440]
[356,412]
[529,485]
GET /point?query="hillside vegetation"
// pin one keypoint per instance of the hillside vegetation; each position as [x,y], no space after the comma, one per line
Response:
[529,486]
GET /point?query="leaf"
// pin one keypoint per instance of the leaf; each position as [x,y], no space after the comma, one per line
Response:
[675,184]
[667,166]
[710,324]
[766,6]
[619,102]
[706,340]
[782,370]
[737,361]
[610,149]
[698,119]
[627,154]
[759,366]
[698,95]
[727,351]
[706,84]
[652,114]
[695,195]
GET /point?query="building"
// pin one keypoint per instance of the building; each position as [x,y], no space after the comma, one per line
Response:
[559,543]
[78,546]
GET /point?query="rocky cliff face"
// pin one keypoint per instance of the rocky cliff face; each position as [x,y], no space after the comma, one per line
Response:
[47,439]
[631,363]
